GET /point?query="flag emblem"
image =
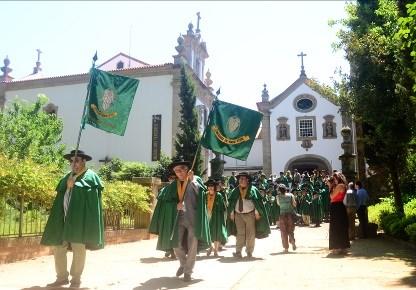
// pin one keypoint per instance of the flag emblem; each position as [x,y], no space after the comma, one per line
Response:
[233,124]
[231,129]
[108,99]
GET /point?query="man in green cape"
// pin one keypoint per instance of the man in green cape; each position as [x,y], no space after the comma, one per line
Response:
[248,216]
[180,218]
[76,219]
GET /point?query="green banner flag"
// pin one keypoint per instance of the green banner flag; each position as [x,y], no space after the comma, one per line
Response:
[231,129]
[110,100]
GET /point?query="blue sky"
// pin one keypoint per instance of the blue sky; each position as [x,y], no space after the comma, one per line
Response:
[249,42]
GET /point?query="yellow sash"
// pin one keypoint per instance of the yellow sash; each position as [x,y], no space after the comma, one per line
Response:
[210,202]
[181,189]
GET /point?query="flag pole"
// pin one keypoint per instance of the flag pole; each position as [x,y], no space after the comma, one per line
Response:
[82,125]
[209,116]
[193,164]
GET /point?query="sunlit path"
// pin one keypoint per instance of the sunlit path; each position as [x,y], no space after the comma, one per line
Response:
[372,264]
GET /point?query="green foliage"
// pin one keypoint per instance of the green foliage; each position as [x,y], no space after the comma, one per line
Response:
[375,212]
[187,140]
[28,132]
[409,178]
[410,208]
[25,178]
[411,232]
[377,92]
[161,169]
[391,222]
[406,37]
[105,171]
[324,90]
[117,169]
[121,195]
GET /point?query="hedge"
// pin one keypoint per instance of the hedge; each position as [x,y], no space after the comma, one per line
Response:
[402,227]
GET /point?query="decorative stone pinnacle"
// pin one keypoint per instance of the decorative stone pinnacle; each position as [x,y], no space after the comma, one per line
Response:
[208,82]
[190,29]
[197,22]
[265,94]
[6,70]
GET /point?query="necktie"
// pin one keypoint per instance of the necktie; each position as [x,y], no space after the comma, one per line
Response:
[240,204]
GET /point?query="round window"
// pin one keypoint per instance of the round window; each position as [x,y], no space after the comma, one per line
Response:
[304,104]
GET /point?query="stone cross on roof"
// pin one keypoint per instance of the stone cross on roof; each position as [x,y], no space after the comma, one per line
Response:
[302,71]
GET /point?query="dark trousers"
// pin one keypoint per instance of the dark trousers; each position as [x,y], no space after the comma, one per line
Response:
[287,229]
[363,218]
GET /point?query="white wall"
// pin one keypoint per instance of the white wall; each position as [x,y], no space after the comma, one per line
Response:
[282,151]
[154,96]
[254,159]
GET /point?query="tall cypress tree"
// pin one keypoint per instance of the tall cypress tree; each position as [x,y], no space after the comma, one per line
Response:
[187,139]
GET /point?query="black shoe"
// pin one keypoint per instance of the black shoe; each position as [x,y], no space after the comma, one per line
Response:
[75,285]
[249,255]
[237,255]
[58,283]
[187,278]
[179,272]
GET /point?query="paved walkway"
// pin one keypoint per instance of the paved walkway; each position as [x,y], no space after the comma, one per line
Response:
[372,264]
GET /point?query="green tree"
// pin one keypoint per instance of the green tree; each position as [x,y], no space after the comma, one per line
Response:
[406,37]
[371,92]
[161,169]
[26,131]
[187,140]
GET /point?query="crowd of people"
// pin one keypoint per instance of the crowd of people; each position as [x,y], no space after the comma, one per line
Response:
[247,205]
[194,217]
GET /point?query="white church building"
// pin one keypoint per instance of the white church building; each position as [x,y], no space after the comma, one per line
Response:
[154,117]
[300,130]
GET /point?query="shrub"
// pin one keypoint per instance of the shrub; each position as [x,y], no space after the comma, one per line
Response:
[411,231]
[410,208]
[161,169]
[121,195]
[375,212]
[36,183]
[106,171]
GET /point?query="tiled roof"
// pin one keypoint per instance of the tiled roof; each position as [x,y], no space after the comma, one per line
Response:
[132,69]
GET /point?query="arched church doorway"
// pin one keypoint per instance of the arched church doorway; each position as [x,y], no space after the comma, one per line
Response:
[308,162]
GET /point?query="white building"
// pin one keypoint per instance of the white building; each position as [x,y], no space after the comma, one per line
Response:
[154,117]
[300,129]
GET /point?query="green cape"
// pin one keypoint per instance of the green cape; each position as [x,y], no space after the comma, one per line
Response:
[217,225]
[164,215]
[84,222]
[262,225]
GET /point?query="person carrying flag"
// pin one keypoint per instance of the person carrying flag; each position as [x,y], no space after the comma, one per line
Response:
[180,218]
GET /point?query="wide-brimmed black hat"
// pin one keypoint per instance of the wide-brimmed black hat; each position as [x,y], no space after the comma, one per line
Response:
[211,182]
[80,153]
[179,162]
[244,173]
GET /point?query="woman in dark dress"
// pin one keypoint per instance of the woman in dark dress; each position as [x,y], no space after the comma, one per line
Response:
[338,223]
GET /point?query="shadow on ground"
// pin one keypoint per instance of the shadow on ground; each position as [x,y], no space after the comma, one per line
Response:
[52,288]
[383,248]
[151,260]
[165,283]
[237,260]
